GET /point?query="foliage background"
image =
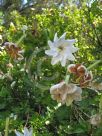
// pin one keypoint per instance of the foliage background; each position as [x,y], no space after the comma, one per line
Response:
[24,91]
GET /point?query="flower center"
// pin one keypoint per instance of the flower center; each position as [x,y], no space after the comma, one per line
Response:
[60,48]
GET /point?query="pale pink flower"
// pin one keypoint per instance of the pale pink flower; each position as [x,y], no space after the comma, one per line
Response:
[65,93]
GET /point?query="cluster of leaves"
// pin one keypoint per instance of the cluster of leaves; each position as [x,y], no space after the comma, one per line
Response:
[24,89]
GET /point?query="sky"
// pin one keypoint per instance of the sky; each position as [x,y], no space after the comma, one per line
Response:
[24,2]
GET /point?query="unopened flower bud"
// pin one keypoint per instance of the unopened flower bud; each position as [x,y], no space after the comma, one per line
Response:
[95,120]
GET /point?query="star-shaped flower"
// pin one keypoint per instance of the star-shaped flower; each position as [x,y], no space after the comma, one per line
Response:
[61,50]
[26,132]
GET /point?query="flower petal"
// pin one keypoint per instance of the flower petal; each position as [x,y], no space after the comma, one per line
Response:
[63,61]
[56,87]
[70,57]
[55,37]
[56,59]
[77,94]
[70,42]
[30,131]
[63,36]
[51,53]
[26,132]
[18,133]
[69,100]
[64,96]
[71,88]
[50,43]
[71,49]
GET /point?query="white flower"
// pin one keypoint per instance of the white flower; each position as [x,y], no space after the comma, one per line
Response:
[65,93]
[26,132]
[61,50]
